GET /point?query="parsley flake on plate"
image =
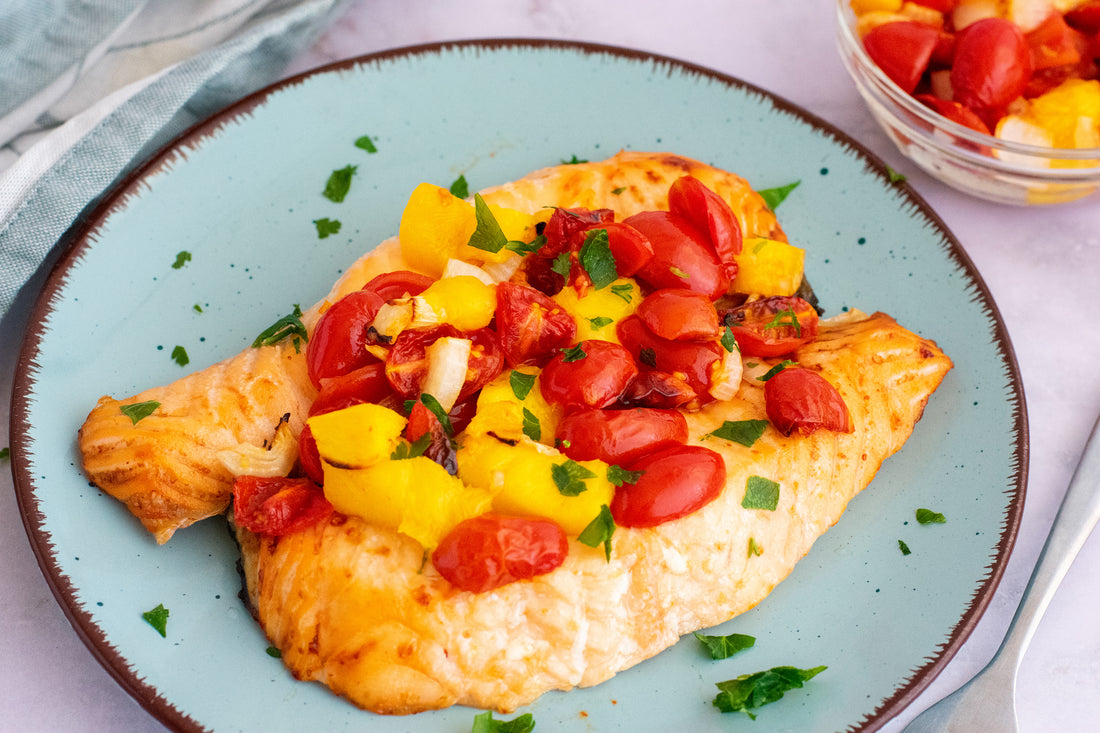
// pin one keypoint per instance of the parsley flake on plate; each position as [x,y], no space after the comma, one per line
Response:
[339,183]
[158,619]
[179,355]
[724,647]
[326,226]
[569,477]
[365,143]
[745,432]
[574,160]
[182,258]
[773,197]
[288,326]
[760,493]
[751,691]
[139,410]
[904,548]
[273,651]
[485,723]
[5,453]
[599,531]
[460,188]
[927,516]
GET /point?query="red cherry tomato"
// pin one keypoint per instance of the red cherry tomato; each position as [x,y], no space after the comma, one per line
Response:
[628,246]
[992,66]
[530,325]
[566,228]
[680,315]
[309,457]
[440,449]
[944,6]
[687,360]
[954,112]
[658,390]
[690,198]
[1053,43]
[773,326]
[802,400]
[1085,18]
[674,483]
[337,344]
[594,380]
[493,550]
[682,255]
[398,284]
[278,506]
[902,49]
[365,384]
[620,437]
[407,362]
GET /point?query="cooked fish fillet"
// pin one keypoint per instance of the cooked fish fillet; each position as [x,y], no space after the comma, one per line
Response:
[165,468]
[353,605]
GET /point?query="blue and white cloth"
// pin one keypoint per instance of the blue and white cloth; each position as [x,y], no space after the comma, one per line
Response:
[89,87]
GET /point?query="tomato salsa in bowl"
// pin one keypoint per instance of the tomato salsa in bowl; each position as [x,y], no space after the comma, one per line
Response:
[996,110]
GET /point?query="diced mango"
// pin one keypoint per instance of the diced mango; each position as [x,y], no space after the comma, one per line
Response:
[501,412]
[357,436]
[768,267]
[617,301]
[517,227]
[464,301]
[859,7]
[416,497]
[521,479]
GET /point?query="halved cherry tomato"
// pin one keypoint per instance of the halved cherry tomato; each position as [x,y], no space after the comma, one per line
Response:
[407,362]
[337,344]
[954,112]
[773,326]
[992,66]
[803,400]
[659,390]
[687,360]
[690,198]
[682,255]
[595,379]
[492,550]
[565,230]
[278,506]
[680,315]
[620,437]
[628,246]
[902,49]
[309,457]
[398,284]
[674,483]
[944,6]
[1085,18]
[365,384]
[440,449]
[530,325]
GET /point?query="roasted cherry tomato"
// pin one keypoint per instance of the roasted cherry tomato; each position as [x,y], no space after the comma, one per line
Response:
[991,68]
[492,550]
[278,506]
[954,112]
[337,344]
[566,228]
[365,384]
[680,315]
[309,457]
[620,437]
[628,246]
[773,326]
[944,6]
[674,482]
[440,449]
[687,360]
[902,49]
[803,400]
[690,198]
[1085,18]
[592,374]
[530,325]
[659,390]
[398,284]
[682,255]
[407,362]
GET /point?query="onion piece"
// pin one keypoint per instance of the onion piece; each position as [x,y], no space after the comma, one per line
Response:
[725,375]
[277,459]
[458,268]
[448,361]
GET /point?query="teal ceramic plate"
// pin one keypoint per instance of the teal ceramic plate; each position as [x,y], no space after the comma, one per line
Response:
[240,193]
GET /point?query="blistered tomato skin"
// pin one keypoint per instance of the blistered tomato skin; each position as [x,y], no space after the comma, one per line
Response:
[678,314]
[531,326]
[593,380]
[278,506]
[992,66]
[798,399]
[620,437]
[674,483]
[337,343]
[682,255]
[690,361]
[493,550]
[398,284]
[690,198]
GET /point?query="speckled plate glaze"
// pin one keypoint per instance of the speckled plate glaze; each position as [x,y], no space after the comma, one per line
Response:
[241,192]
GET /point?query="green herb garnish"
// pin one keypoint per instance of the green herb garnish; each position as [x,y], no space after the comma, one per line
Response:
[904,548]
[273,651]
[745,432]
[139,410]
[562,265]
[575,353]
[729,341]
[339,183]
[751,691]
[785,318]
[724,647]
[773,197]
[365,143]
[487,235]
[526,248]
[182,258]
[617,475]
[179,355]
[484,723]
[406,450]
[894,176]
[326,226]
[531,427]
[597,260]
[460,188]
[599,322]
[569,477]
[437,409]
[158,619]
[617,191]
[5,453]
[599,531]
[624,291]
[777,368]
[755,550]
[197,308]
[574,160]
[761,493]
[927,516]
[286,327]
[521,383]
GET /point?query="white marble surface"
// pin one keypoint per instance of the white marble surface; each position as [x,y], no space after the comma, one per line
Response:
[1042,266]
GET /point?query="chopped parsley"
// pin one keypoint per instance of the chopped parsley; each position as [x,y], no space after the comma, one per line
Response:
[575,353]
[526,248]
[339,183]
[488,235]
[406,450]
[724,647]
[599,322]
[197,308]
[531,427]
[484,723]
[5,453]
[786,318]
[599,531]
[745,432]
[777,368]
[460,188]
[751,691]
[521,383]
[139,410]
[158,619]
[597,260]
[569,477]
[562,265]
[273,651]
[927,516]
[904,548]
[773,197]
[286,327]
[728,341]
[437,409]
[894,176]
[760,493]
[326,226]
[617,191]
[182,258]
[179,355]
[365,143]
[574,160]
[648,357]
[624,291]
[617,475]
[755,550]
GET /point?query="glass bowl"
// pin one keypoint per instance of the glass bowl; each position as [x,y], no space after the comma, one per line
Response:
[978,164]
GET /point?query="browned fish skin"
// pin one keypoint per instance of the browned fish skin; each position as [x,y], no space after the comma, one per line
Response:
[350,605]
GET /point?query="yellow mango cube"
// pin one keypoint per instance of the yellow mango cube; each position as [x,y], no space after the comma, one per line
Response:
[464,301]
[859,7]
[415,496]
[768,267]
[498,409]
[617,301]
[357,436]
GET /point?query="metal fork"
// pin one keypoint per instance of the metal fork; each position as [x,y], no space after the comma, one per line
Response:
[988,701]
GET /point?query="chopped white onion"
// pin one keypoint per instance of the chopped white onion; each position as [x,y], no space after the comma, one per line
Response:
[253,460]
[458,268]
[725,375]
[448,360]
